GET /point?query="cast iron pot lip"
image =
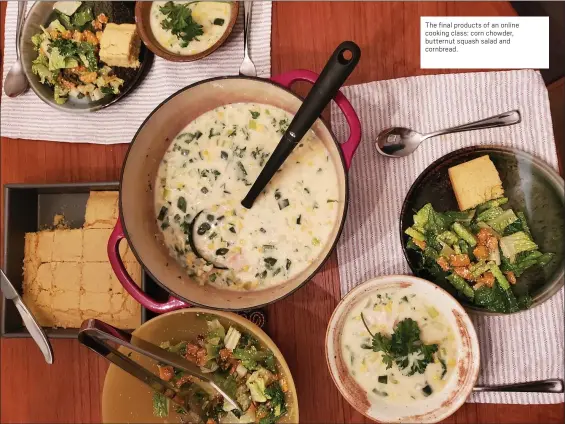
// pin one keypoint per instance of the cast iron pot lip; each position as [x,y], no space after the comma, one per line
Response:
[469,149]
[307,279]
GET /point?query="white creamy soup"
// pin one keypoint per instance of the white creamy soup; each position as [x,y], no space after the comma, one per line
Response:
[206,172]
[398,365]
[212,17]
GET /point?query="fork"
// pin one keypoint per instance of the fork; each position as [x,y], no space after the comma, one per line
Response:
[247,67]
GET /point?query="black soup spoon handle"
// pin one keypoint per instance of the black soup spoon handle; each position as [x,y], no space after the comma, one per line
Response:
[339,66]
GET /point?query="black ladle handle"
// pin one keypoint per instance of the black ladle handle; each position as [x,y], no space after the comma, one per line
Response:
[339,66]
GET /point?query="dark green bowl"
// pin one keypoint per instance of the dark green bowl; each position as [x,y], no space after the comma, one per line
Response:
[531,185]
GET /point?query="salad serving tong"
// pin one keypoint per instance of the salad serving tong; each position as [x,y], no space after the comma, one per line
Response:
[97,335]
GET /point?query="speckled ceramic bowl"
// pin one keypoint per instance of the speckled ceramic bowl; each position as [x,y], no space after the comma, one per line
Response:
[531,185]
[434,408]
[143,22]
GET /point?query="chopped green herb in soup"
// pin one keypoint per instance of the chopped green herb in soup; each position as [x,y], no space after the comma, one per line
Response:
[398,347]
[189,27]
[206,172]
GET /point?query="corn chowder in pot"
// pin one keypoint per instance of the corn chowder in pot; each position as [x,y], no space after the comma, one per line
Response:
[206,172]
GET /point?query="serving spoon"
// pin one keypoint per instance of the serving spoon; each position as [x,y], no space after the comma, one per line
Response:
[339,66]
[16,82]
[399,142]
[97,335]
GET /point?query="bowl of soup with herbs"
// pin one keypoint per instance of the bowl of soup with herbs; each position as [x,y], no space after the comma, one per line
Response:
[184,31]
[400,349]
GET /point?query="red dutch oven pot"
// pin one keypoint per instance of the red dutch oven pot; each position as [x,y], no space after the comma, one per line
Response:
[137,221]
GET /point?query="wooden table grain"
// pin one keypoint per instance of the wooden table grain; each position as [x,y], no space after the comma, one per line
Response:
[303,36]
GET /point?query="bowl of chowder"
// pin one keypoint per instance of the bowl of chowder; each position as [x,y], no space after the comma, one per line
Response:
[185,31]
[186,172]
[401,349]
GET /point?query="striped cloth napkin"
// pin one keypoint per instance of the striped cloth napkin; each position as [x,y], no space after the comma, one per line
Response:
[519,348]
[28,117]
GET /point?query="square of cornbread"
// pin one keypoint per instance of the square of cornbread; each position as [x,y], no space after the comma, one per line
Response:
[96,244]
[101,209]
[67,246]
[44,249]
[67,276]
[97,277]
[475,182]
[30,247]
[44,277]
[119,45]
[65,300]
[71,318]
[96,302]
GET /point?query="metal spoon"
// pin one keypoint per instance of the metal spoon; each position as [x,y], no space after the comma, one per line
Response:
[247,67]
[553,385]
[398,142]
[16,82]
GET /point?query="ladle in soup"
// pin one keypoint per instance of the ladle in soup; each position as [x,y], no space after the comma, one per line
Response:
[339,66]
[200,225]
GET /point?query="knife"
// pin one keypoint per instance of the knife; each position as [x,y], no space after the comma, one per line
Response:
[35,330]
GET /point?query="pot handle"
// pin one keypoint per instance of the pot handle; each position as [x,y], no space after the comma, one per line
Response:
[348,148]
[125,279]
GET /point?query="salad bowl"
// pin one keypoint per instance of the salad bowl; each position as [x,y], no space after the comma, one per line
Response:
[531,186]
[126,399]
[42,13]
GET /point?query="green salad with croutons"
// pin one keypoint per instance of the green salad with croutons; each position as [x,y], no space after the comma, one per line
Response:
[238,363]
[68,56]
[481,252]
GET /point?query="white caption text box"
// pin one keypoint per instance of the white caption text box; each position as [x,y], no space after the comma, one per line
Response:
[473,42]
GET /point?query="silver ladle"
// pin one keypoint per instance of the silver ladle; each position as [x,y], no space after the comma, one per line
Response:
[398,142]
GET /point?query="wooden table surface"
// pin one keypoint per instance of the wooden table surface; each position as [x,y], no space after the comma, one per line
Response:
[303,36]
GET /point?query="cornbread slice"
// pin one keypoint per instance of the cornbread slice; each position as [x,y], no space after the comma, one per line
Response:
[117,302]
[30,275]
[44,279]
[67,276]
[97,277]
[71,318]
[67,246]
[65,300]
[475,182]
[96,302]
[44,298]
[101,209]
[30,247]
[95,243]
[45,245]
[119,45]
